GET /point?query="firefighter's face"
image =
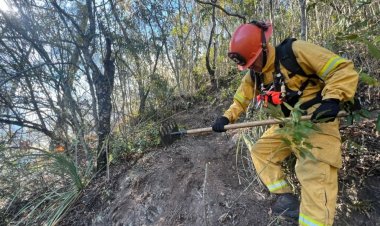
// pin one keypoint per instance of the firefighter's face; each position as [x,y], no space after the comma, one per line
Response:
[258,64]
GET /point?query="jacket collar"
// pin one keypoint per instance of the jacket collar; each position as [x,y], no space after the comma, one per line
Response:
[269,66]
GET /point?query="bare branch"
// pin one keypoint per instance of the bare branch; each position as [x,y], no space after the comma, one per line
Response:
[225,11]
[28,124]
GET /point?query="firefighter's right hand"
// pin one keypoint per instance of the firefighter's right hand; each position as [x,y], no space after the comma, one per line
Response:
[219,124]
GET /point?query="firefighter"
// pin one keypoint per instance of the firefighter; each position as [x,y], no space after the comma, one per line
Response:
[326,81]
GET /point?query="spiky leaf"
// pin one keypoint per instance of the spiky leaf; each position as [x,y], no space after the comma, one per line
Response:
[373,50]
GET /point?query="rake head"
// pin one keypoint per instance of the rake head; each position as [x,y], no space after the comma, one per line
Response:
[169,132]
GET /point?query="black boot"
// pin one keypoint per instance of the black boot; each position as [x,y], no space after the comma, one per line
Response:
[287,205]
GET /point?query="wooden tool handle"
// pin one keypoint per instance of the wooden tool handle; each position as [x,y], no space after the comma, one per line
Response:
[254,123]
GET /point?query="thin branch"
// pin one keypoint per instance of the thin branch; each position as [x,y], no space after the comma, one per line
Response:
[27,124]
[204,193]
[225,11]
[23,73]
[63,12]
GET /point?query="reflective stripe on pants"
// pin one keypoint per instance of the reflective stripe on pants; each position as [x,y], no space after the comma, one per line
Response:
[307,221]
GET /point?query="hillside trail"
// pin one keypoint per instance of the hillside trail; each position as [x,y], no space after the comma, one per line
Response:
[197,180]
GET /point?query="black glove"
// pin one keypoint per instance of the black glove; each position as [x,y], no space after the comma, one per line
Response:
[219,124]
[327,111]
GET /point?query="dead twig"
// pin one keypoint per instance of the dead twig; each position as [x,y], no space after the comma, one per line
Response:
[204,195]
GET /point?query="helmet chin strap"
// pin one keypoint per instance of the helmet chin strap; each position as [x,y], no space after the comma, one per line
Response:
[265,48]
[263,26]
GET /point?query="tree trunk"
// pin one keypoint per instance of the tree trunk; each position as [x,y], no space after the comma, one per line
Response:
[303,20]
[273,39]
[104,87]
[211,69]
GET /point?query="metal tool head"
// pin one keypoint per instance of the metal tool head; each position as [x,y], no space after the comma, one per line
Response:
[169,132]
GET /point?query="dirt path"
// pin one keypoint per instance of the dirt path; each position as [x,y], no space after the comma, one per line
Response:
[198,180]
[187,184]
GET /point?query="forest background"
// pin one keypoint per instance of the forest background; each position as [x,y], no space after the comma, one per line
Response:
[84,83]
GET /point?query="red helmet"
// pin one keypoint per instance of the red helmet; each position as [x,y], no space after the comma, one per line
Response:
[248,41]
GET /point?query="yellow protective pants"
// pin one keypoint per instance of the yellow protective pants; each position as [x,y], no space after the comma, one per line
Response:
[318,178]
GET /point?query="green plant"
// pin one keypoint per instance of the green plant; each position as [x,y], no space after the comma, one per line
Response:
[119,146]
[143,136]
[295,132]
[50,206]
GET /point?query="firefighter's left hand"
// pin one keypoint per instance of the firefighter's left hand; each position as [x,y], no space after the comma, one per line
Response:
[327,111]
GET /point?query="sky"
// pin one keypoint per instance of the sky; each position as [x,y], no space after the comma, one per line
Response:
[4,6]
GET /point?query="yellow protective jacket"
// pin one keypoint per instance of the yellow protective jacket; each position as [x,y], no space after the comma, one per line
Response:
[338,77]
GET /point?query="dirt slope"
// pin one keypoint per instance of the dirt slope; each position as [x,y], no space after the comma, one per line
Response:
[199,180]
[190,185]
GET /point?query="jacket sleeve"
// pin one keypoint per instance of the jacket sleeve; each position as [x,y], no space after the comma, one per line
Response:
[338,74]
[244,94]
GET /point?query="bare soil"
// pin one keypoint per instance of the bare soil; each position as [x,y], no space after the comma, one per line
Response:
[202,180]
